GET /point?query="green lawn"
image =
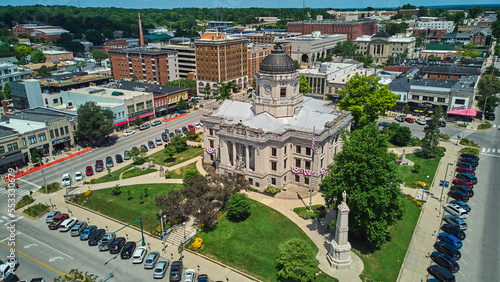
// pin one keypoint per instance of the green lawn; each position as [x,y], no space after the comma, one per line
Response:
[428,167]
[120,208]
[114,175]
[384,264]
[179,173]
[161,159]
[252,245]
[136,172]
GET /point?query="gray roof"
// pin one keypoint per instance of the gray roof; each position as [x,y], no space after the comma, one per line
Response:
[7,132]
[43,114]
[382,34]
[401,84]
[8,60]
[313,113]
[451,69]
[456,36]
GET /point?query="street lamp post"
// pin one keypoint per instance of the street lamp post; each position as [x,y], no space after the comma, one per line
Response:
[184,224]
[444,182]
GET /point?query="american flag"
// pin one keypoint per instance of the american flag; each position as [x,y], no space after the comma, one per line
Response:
[312,145]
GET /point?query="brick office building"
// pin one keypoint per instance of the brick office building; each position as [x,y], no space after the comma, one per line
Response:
[147,64]
[353,29]
[220,58]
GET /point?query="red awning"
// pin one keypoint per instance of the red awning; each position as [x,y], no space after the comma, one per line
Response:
[466,112]
[121,123]
[131,119]
[146,115]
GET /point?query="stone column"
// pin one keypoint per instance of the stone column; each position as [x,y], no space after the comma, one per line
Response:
[235,154]
[339,255]
[247,157]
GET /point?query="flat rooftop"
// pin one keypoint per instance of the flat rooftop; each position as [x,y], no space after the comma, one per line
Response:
[119,94]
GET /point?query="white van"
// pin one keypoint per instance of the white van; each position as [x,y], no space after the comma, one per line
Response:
[456,210]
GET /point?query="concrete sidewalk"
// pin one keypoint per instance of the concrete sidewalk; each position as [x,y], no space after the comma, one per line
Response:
[417,257]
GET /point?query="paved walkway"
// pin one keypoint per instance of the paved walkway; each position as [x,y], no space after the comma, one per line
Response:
[417,257]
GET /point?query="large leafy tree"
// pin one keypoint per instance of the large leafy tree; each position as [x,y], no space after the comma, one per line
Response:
[468,51]
[190,84]
[238,207]
[99,55]
[93,122]
[297,260]
[77,275]
[488,86]
[37,56]
[365,170]
[345,48]
[304,87]
[7,91]
[179,143]
[182,105]
[430,142]
[224,89]
[366,98]
[6,51]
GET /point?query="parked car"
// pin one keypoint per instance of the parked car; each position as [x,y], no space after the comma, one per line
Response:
[66,180]
[89,171]
[201,123]
[171,134]
[57,220]
[461,204]
[409,120]
[158,141]
[421,121]
[151,260]
[144,126]
[453,220]
[464,189]
[51,215]
[184,129]
[85,234]
[447,249]
[466,165]
[441,273]
[197,125]
[144,148]
[455,210]
[175,271]
[106,241]
[126,155]
[118,158]
[67,224]
[128,250]
[467,177]
[78,228]
[117,245]
[78,176]
[442,124]
[189,275]
[202,278]
[109,162]
[96,236]
[469,156]
[178,132]
[191,127]
[489,115]
[128,132]
[151,145]
[452,240]
[458,181]
[445,261]
[139,255]
[99,166]
[161,269]
[457,195]
[400,118]
[164,137]
[453,230]
[156,122]
[383,124]
[465,170]
[471,161]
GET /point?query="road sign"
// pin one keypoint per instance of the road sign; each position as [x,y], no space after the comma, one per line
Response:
[181,248]
[446,184]
[163,234]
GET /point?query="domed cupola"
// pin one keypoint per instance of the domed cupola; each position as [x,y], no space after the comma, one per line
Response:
[277,62]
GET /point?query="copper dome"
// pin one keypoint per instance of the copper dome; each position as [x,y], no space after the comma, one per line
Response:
[277,62]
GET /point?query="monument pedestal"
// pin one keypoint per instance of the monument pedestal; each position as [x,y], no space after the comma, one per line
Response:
[339,256]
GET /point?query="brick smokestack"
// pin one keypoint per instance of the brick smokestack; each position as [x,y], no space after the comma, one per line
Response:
[141,38]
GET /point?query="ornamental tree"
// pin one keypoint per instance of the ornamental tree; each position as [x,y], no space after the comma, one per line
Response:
[304,87]
[297,260]
[366,98]
[93,122]
[430,142]
[365,170]
[238,207]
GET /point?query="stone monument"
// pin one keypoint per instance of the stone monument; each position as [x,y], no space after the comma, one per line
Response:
[339,254]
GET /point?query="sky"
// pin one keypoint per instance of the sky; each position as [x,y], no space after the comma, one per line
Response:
[168,4]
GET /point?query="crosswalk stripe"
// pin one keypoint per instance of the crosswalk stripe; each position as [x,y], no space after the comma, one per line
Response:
[484,150]
[5,217]
[488,150]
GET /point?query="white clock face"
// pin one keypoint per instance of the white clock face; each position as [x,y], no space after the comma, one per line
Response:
[267,88]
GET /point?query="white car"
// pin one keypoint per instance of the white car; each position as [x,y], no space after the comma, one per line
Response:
[456,210]
[66,180]
[78,176]
[68,224]
[139,255]
[189,275]
[197,125]
[128,132]
[421,121]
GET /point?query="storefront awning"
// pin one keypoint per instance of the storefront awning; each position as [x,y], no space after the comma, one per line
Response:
[121,123]
[5,160]
[147,115]
[466,112]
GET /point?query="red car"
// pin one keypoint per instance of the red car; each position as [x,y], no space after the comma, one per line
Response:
[465,170]
[56,222]
[99,166]
[89,170]
[191,127]
[410,120]
[458,181]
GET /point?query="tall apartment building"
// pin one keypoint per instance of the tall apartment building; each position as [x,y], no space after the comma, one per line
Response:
[220,58]
[147,64]
[186,56]
[353,29]
[435,23]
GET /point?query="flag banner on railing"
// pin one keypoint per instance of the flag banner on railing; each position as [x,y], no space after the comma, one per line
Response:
[296,170]
[210,150]
[307,172]
[322,171]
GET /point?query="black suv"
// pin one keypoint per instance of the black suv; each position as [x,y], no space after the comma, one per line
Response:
[453,230]
[96,236]
[469,156]
[128,250]
[117,245]
[445,261]
[176,271]
[441,273]
[118,158]
[447,249]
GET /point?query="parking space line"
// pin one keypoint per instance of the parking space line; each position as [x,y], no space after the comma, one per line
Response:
[46,245]
[41,263]
[465,250]
[463,261]
[467,239]
[462,274]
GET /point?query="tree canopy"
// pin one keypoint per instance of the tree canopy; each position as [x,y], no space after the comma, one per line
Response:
[7,91]
[468,51]
[190,84]
[99,55]
[93,123]
[430,142]
[297,260]
[224,89]
[346,49]
[488,87]
[182,105]
[77,275]
[365,170]
[366,98]
[37,56]
[304,87]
